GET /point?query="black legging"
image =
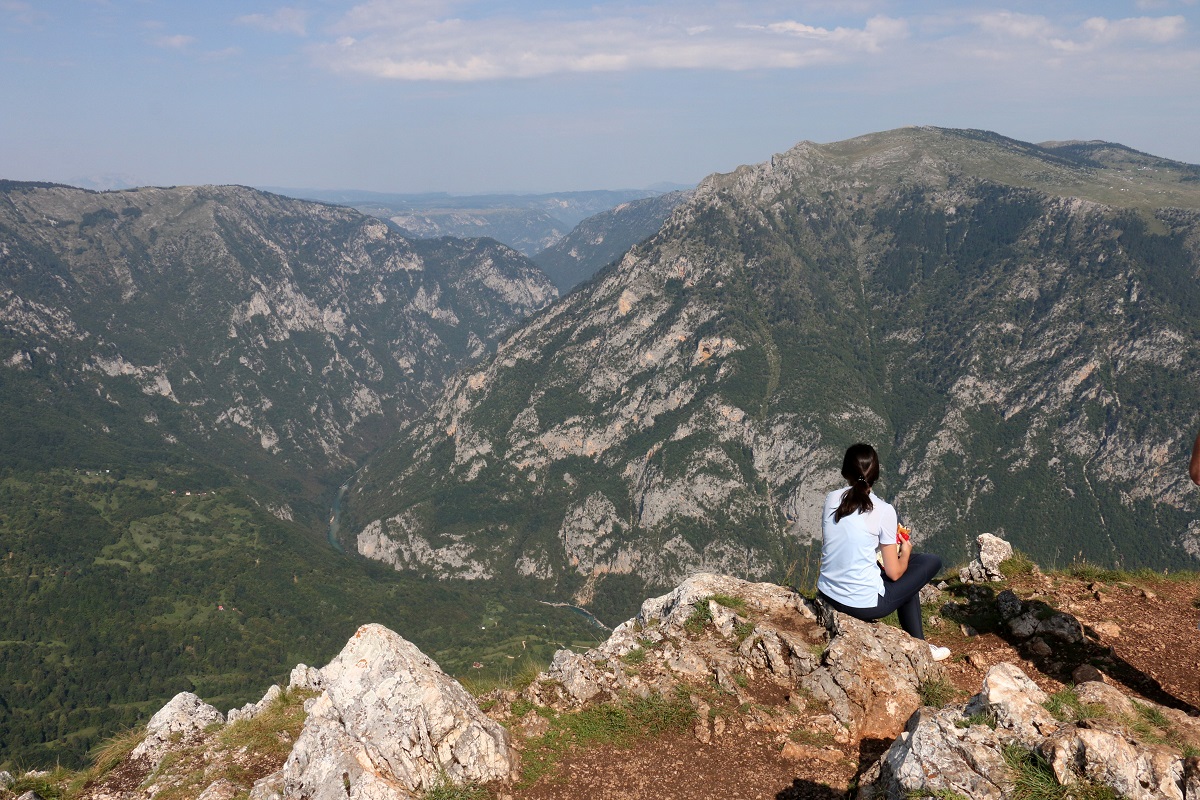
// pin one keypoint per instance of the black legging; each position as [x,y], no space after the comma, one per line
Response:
[901,595]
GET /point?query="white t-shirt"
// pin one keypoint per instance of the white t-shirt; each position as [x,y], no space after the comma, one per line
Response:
[849,570]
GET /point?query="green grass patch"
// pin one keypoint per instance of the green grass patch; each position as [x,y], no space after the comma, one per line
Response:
[1033,779]
[736,603]
[1066,706]
[1017,566]
[699,619]
[619,724]
[635,657]
[812,738]
[444,789]
[937,692]
[260,734]
[987,717]
[742,630]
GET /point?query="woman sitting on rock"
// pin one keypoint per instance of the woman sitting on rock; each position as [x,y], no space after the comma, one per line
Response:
[855,525]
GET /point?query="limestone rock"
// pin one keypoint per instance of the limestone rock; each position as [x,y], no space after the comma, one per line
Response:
[306,677]
[576,674]
[871,675]
[252,710]
[1113,700]
[178,723]
[935,754]
[6,779]
[268,788]
[992,552]
[1103,754]
[222,789]
[388,723]
[1016,702]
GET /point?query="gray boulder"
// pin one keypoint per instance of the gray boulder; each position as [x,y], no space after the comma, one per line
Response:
[1016,703]
[936,754]
[306,677]
[177,724]
[993,551]
[871,675]
[388,726]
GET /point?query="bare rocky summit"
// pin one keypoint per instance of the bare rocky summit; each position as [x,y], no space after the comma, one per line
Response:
[738,669]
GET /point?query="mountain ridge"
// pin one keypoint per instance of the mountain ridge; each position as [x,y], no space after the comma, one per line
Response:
[688,407]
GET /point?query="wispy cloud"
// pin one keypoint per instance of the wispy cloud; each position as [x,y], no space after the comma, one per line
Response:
[21,12]
[177,41]
[421,41]
[1092,34]
[282,20]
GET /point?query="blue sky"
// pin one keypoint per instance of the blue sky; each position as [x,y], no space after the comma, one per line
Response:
[547,95]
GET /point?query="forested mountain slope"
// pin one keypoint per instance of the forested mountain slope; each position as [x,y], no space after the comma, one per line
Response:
[185,376]
[269,334]
[1015,326]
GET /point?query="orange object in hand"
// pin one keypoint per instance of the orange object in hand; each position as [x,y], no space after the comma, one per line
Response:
[902,532]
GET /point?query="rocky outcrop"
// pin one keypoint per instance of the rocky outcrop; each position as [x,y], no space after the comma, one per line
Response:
[871,675]
[181,721]
[389,724]
[979,748]
[729,631]
[993,551]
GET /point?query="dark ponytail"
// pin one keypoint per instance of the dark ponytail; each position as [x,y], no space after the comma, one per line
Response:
[861,468]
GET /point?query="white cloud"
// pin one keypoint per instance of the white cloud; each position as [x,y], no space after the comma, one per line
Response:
[1092,34]
[419,41]
[176,42]
[283,20]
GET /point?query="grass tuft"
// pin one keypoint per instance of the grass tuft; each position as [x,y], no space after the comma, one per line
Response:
[1020,564]
[1066,706]
[736,603]
[444,789]
[986,717]
[937,692]
[1033,779]
[635,657]
[700,617]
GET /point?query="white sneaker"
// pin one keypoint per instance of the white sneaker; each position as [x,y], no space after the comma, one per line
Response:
[938,652]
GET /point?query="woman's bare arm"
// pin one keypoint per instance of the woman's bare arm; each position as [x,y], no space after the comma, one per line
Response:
[895,558]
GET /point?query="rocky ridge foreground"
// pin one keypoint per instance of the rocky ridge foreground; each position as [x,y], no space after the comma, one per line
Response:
[757,661]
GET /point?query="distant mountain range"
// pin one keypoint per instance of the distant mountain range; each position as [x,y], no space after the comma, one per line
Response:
[600,240]
[1015,326]
[529,223]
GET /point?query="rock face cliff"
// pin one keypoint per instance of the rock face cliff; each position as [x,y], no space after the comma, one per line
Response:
[251,327]
[1012,325]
